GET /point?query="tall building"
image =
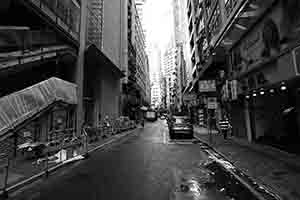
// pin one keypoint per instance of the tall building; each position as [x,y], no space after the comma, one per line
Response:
[245,58]
[44,40]
[155,74]
[102,84]
[155,89]
[140,6]
[170,73]
[136,85]
[180,35]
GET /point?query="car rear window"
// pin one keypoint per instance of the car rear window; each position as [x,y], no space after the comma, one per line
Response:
[180,120]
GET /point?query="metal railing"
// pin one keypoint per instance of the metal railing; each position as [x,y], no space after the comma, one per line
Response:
[37,159]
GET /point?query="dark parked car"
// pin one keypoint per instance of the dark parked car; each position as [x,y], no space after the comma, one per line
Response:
[180,127]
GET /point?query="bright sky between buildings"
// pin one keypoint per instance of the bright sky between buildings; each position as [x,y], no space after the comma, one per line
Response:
[158,21]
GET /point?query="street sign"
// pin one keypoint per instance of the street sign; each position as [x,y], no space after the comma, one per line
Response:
[189,97]
[234,90]
[207,86]
[212,103]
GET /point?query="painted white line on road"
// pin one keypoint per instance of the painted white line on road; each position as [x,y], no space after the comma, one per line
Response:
[165,137]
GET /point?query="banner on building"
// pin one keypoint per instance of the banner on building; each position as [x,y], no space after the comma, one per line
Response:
[207,86]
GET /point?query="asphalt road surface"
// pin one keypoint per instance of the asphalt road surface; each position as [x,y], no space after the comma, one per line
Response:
[146,166]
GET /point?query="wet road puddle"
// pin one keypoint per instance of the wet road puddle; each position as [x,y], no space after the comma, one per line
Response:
[197,184]
[208,181]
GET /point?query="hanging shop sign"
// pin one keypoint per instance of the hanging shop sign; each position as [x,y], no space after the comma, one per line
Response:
[230,90]
[225,91]
[189,97]
[207,86]
[212,103]
[234,89]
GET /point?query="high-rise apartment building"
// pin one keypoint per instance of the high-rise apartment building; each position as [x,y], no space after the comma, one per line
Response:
[155,74]
[170,73]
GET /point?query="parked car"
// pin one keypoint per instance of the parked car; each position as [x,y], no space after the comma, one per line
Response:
[180,127]
[151,115]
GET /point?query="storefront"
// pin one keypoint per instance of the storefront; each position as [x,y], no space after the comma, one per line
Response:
[208,103]
[266,64]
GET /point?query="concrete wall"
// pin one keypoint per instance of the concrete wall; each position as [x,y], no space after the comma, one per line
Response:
[110,94]
[112,34]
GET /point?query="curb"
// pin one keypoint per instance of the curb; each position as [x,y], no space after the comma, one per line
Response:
[212,152]
[127,133]
[19,185]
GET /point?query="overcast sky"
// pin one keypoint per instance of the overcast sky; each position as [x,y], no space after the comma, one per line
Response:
[157,16]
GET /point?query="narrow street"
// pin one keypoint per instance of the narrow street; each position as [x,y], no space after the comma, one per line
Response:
[147,166]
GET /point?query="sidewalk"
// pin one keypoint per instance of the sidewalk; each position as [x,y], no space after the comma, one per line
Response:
[22,170]
[276,170]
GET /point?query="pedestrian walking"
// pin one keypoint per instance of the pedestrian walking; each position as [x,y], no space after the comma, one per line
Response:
[225,126]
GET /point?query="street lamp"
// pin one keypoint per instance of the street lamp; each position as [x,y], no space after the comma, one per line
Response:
[283,87]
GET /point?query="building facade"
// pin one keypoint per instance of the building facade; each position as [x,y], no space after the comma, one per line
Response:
[155,74]
[45,38]
[180,37]
[136,85]
[103,65]
[242,47]
[170,73]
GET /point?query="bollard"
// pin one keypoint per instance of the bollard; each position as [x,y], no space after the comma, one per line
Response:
[85,143]
[47,165]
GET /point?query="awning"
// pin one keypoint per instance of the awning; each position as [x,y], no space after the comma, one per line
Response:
[93,56]
[22,105]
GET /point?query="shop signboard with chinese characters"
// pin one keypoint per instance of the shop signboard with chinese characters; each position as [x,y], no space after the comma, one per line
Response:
[190,99]
[230,90]
[207,86]
[212,103]
[234,89]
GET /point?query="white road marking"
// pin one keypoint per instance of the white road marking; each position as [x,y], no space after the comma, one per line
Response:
[165,137]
